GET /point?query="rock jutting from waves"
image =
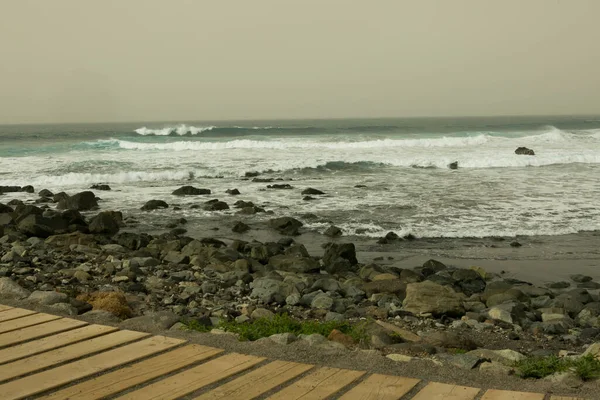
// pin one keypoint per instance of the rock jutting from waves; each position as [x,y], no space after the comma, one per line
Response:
[524,151]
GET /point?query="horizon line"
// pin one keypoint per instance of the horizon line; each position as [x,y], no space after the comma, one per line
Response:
[180,121]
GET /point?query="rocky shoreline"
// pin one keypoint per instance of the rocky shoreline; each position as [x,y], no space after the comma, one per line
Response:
[60,253]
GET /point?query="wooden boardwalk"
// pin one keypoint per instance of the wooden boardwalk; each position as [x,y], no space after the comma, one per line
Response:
[49,357]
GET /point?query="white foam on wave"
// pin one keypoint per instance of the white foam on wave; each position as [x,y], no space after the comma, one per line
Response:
[464,230]
[179,130]
[78,179]
[307,144]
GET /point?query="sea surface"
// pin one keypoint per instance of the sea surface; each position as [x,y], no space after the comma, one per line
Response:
[404,164]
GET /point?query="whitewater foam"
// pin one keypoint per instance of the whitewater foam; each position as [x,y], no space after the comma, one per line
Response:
[180,130]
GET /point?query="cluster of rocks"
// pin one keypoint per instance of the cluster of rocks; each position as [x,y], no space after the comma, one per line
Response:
[519,151]
[76,264]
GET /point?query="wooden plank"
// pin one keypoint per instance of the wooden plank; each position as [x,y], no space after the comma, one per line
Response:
[52,342]
[322,383]
[14,313]
[4,308]
[67,353]
[494,394]
[195,378]
[566,398]
[257,382]
[442,391]
[59,376]
[135,374]
[23,322]
[37,331]
[381,387]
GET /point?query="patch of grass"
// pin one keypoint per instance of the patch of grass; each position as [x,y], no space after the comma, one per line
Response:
[540,367]
[586,368]
[194,325]
[283,323]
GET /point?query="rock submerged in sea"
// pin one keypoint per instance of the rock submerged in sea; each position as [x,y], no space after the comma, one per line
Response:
[100,187]
[190,191]
[312,191]
[524,151]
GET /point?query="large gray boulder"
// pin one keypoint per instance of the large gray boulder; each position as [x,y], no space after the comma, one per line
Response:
[10,288]
[48,297]
[270,290]
[430,297]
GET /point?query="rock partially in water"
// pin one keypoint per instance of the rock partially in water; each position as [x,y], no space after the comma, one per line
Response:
[312,191]
[286,225]
[154,205]
[83,201]
[190,191]
[524,151]
[100,187]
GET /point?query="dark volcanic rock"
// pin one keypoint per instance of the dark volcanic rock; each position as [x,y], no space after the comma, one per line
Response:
[154,205]
[233,192]
[106,222]
[45,193]
[453,165]
[251,174]
[339,257]
[190,191]
[312,191]
[434,265]
[22,211]
[28,189]
[286,225]
[5,209]
[524,151]
[100,187]
[280,186]
[83,201]
[39,226]
[133,241]
[60,196]
[216,205]
[333,231]
[10,189]
[240,227]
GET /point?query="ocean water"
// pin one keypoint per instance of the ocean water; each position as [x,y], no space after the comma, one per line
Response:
[403,163]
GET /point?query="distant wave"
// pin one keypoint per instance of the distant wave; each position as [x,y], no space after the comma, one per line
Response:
[304,144]
[180,130]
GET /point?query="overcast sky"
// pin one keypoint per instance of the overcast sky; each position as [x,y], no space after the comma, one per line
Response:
[142,60]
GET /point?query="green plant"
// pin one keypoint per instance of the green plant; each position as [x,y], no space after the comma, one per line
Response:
[283,323]
[540,367]
[194,325]
[587,367]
